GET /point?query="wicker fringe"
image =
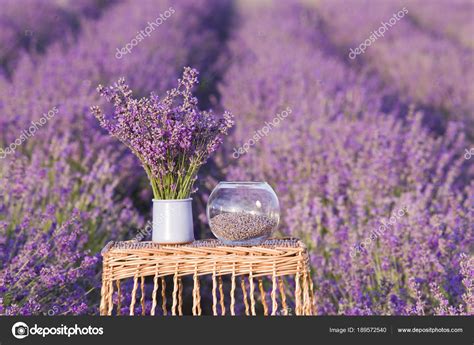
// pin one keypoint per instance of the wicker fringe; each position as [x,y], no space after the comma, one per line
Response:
[307,301]
[273,294]
[221,295]
[232,292]
[142,300]
[153,294]
[163,296]
[103,295]
[134,295]
[244,295]
[214,294]
[252,298]
[263,296]
[175,291]
[196,294]
[119,298]
[180,297]
[297,292]
[275,259]
[109,298]
[282,296]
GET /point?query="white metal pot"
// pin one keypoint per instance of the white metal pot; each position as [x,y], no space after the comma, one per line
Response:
[173,221]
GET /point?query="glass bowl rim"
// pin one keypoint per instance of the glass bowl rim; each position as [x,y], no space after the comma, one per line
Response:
[243,182]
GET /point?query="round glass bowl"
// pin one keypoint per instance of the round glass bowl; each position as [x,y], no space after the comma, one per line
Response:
[243,213]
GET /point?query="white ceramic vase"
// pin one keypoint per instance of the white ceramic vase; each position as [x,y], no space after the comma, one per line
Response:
[173,221]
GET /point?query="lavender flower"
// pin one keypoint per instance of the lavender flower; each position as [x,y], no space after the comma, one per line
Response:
[171,136]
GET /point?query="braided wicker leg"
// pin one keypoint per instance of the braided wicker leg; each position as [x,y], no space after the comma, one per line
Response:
[134,295]
[221,295]
[244,295]
[232,292]
[153,294]
[196,294]
[142,299]
[119,298]
[214,293]
[175,292]
[297,293]
[163,296]
[282,296]
[263,296]
[273,294]
[180,297]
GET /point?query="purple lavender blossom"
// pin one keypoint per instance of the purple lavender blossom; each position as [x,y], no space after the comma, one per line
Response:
[171,136]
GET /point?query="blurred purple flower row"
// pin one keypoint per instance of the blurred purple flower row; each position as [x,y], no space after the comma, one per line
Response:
[423,62]
[340,167]
[68,189]
[29,26]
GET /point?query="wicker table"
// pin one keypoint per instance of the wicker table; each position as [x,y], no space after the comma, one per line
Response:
[281,265]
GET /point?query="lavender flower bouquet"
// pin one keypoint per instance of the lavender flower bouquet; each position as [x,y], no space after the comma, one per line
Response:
[172,138]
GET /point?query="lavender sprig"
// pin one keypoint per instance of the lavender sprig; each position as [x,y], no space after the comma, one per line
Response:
[171,136]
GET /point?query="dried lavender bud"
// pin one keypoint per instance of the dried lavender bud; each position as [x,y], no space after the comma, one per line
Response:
[241,226]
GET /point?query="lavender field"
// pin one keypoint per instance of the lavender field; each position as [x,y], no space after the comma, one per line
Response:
[359,114]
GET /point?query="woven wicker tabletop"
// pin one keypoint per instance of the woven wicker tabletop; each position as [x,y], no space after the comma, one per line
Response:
[274,259]
[211,243]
